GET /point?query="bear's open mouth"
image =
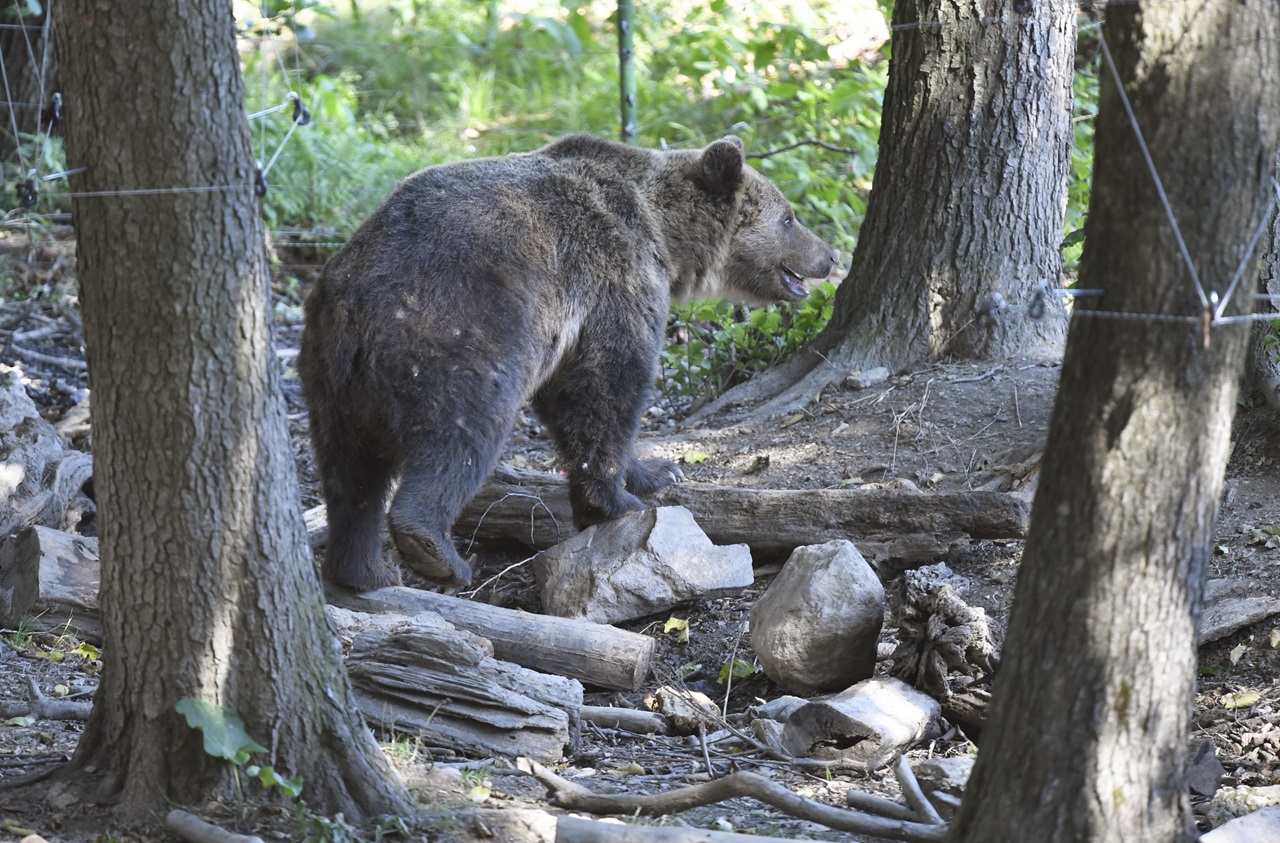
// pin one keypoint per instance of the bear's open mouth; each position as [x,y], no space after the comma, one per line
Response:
[791,281]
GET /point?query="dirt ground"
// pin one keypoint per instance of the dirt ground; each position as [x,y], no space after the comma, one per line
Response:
[945,427]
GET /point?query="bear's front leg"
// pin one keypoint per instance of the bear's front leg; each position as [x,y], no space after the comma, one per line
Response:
[592,405]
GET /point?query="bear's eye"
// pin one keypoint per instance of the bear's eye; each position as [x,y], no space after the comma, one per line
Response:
[787,221]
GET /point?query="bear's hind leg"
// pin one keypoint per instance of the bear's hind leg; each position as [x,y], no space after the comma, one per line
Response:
[441,472]
[355,492]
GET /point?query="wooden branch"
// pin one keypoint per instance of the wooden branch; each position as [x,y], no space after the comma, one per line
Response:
[195,830]
[579,830]
[595,654]
[628,719]
[896,527]
[912,793]
[42,708]
[872,804]
[566,794]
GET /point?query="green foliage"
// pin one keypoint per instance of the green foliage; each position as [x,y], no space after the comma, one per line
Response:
[225,737]
[715,345]
[736,669]
[1079,177]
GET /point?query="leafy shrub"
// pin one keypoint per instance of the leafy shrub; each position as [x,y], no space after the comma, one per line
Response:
[712,345]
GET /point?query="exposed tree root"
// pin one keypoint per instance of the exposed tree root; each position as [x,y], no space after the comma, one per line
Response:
[566,794]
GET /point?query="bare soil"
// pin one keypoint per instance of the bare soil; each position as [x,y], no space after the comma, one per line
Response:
[945,426]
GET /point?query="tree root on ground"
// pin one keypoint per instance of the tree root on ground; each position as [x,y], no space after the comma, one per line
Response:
[566,794]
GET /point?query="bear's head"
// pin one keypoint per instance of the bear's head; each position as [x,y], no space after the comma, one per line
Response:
[770,252]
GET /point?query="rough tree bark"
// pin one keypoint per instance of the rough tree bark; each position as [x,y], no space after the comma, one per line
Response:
[208,588]
[1101,644]
[966,210]
[26,48]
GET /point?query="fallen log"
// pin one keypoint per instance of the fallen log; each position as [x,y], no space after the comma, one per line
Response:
[898,528]
[595,654]
[427,678]
[49,579]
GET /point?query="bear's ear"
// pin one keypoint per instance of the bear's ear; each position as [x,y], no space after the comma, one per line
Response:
[722,163]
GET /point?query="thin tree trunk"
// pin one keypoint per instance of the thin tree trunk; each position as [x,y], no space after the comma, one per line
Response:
[965,217]
[208,587]
[1087,735]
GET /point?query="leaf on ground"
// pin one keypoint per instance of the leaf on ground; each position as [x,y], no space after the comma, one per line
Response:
[680,626]
[1237,652]
[1241,699]
[694,457]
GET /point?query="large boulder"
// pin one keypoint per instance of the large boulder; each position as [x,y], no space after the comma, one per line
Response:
[815,627]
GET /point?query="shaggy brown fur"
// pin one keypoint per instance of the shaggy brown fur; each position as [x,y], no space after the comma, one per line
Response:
[541,277]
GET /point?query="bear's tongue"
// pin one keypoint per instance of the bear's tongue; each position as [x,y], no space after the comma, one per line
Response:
[793,284]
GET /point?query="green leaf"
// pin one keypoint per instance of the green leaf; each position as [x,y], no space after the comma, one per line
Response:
[736,669]
[270,778]
[694,457]
[1241,699]
[679,626]
[25,720]
[224,734]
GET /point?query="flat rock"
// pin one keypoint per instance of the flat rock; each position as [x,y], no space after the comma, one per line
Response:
[1232,604]
[1204,770]
[870,723]
[1261,826]
[815,627]
[640,564]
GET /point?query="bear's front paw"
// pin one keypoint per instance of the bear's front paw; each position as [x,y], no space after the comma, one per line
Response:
[645,477]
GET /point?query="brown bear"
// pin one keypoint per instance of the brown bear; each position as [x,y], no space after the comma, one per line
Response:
[541,277]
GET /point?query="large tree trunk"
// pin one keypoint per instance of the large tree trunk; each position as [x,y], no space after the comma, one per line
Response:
[965,217]
[26,49]
[1101,643]
[208,588]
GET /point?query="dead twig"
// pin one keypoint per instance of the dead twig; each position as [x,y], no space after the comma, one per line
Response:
[830,147]
[913,794]
[566,794]
[66,363]
[982,377]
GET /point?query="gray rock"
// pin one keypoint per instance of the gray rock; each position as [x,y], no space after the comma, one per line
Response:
[815,627]
[1204,771]
[871,722]
[1259,827]
[640,564]
[946,776]
[867,379]
[779,709]
[1232,604]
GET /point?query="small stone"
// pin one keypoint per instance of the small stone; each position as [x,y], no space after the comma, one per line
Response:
[779,709]
[1204,771]
[867,378]
[945,776]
